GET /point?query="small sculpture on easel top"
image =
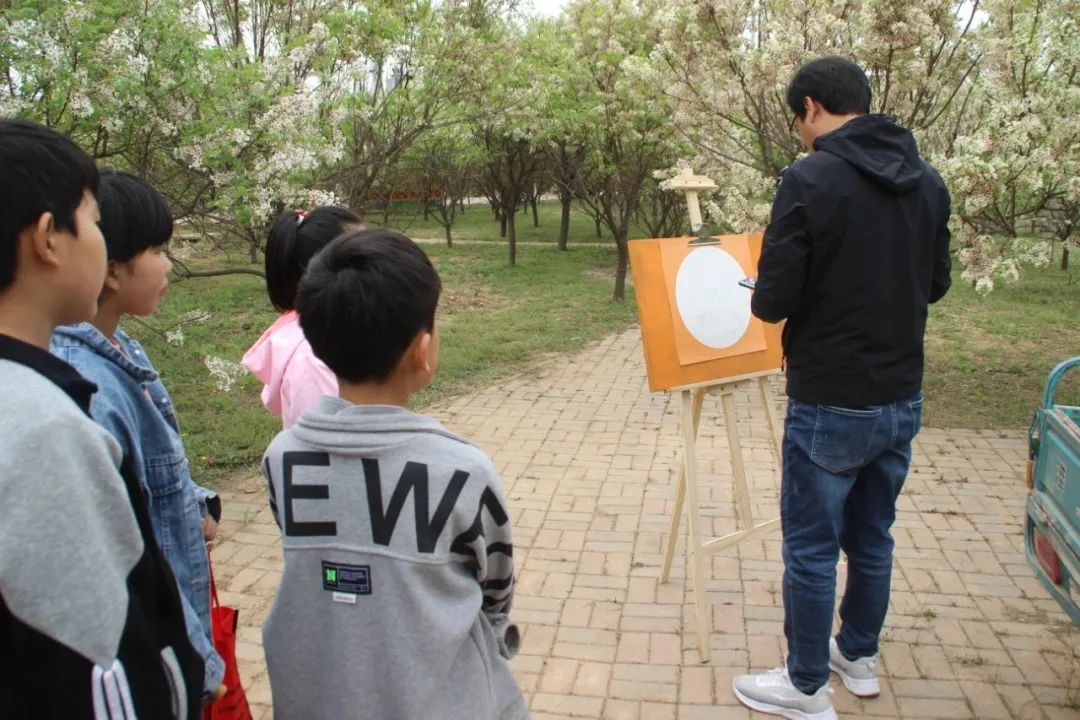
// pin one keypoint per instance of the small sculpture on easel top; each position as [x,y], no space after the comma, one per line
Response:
[692,184]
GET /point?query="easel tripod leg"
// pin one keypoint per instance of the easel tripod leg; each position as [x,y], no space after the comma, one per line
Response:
[770,418]
[680,495]
[738,470]
[697,563]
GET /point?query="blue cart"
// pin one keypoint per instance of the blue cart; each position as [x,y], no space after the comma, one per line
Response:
[1053,506]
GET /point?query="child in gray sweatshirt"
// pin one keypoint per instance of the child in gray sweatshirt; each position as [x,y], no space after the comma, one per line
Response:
[398,557]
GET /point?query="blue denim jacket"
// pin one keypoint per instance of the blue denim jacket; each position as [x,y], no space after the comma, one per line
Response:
[133,405]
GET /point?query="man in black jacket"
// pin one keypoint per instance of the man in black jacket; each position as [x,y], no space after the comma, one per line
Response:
[857,248]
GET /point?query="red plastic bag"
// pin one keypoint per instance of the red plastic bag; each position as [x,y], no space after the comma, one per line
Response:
[234,704]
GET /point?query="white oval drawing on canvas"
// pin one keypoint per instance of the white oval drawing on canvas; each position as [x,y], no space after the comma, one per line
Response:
[712,304]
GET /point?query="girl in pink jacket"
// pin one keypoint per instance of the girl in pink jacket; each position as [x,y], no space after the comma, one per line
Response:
[293,378]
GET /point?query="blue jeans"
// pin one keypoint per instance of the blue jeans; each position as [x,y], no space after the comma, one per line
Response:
[843,470]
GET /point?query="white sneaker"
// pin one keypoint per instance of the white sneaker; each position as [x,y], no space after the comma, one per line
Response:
[859,676]
[773,693]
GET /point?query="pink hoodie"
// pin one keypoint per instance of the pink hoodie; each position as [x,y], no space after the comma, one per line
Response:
[293,378]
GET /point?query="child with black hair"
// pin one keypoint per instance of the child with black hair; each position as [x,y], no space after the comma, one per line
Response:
[399,567]
[293,378]
[91,624]
[132,403]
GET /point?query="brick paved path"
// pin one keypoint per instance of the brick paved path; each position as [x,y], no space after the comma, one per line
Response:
[588,458]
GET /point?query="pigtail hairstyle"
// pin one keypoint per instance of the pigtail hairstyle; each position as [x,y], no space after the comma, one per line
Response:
[295,238]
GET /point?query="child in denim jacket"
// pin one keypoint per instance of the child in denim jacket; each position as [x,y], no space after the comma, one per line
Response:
[133,405]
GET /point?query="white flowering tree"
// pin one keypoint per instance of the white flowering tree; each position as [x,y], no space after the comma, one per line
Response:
[260,149]
[509,82]
[988,87]
[271,120]
[627,127]
[561,134]
[725,65]
[122,81]
[407,68]
[226,137]
[1015,174]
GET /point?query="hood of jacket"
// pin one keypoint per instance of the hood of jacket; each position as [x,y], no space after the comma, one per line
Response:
[879,148]
[340,426]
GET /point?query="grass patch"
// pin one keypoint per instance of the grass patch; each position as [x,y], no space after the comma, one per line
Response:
[477,224]
[551,302]
[987,358]
[494,321]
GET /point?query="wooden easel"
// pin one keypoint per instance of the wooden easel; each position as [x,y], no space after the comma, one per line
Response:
[693,397]
[693,379]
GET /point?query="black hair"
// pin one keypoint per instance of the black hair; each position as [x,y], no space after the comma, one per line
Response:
[838,84]
[363,300]
[134,216]
[43,172]
[294,239]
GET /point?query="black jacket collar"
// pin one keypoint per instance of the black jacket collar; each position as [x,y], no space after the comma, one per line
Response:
[53,368]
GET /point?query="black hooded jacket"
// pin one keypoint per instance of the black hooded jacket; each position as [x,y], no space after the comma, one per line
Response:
[857,248]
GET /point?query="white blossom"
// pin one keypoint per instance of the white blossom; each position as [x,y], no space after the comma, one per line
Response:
[196,316]
[224,372]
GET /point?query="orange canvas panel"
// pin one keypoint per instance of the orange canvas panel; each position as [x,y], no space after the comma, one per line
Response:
[708,277]
[662,323]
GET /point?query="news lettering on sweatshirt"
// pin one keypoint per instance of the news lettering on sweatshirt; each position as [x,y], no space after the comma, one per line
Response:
[384,517]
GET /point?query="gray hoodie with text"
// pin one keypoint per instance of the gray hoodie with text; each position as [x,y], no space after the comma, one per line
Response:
[398,571]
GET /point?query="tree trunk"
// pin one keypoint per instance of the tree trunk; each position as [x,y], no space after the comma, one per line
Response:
[536,217]
[564,223]
[253,251]
[620,269]
[449,239]
[386,212]
[599,231]
[502,224]
[426,210]
[1065,255]
[512,234]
